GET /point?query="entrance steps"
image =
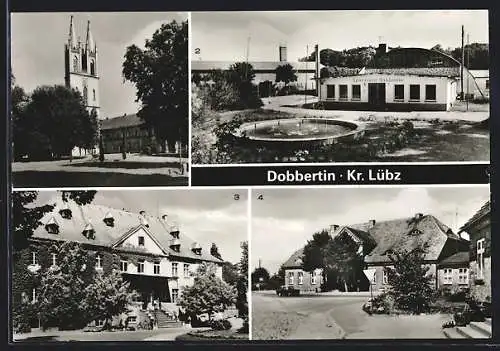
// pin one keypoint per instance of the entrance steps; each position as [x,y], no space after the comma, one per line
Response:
[475,330]
[164,321]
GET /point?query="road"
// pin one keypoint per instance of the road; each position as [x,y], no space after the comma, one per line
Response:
[333,317]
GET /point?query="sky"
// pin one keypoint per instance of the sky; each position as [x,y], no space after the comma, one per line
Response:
[204,215]
[224,35]
[286,218]
[37,50]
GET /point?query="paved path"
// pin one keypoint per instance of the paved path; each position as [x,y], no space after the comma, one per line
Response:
[283,103]
[337,316]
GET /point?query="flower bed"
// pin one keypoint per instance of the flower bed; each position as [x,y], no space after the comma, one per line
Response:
[205,335]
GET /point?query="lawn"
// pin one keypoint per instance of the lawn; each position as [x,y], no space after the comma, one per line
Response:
[78,179]
[272,325]
[213,335]
[431,140]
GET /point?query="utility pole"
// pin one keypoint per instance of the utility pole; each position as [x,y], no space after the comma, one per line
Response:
[305,87]
[462,68]
[467,82]
[246,60]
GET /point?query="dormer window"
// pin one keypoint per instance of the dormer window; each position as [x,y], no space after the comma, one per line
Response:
[109,220]
[65,212]
[415,231]
[196,248]
[174,231]
[175,245]
[52,226]
[89,231]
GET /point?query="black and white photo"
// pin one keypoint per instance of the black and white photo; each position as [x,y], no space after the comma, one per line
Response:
[99,99]
[371,263]
[340,86]
[133,265]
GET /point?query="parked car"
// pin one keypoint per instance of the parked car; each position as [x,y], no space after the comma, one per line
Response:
[287,291]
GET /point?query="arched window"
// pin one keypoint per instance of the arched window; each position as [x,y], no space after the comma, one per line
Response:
[75,63]
[84,61]
[85,92]
[93,94]
[92,67]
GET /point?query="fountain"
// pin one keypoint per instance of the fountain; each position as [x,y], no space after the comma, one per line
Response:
[300,132]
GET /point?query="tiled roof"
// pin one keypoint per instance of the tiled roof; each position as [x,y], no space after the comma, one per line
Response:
[483,211]
[396,235]
[418,71]
[124,121]
[124,222]
[295,261]
[460,258]
[204,66]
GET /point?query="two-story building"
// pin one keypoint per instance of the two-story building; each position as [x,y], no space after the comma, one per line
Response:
[479,229]
[153,254]
[377,240]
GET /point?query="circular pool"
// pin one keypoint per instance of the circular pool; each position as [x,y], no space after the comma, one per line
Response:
[300,132]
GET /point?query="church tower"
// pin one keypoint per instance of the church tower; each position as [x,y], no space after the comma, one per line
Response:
[80,60]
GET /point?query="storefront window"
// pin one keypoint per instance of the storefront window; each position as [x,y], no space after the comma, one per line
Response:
[330,91]
[343,92]
[399,92]
[414,92]
[356,92]
[430,92]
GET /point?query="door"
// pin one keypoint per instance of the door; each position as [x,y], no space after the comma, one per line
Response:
[376,94]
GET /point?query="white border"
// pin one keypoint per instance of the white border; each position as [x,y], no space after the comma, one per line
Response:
[308,164]
[189,97]
[249,233]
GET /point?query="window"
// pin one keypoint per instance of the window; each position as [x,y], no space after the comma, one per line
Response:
[54,259]
[374,279]
[33,258]
[174,269]
[385,277]
[480,258]
[415,92]
[301,278]
[313,278]
[186,270]
[430,92]
[356,92]
[156,268]
[447,276]
[85,95]
[140,266]
[290,278]
[92,67]
[330,91]
[343,92]
[124,265]
[399,92]
[75,64]
[487,83]
[99,322]
[93,94]
[33,295]
[141,240]
[98,262]
[175,295]
[463,276]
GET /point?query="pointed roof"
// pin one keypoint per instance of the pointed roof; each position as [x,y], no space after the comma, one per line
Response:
[482,212]
[72,36]
[89,42]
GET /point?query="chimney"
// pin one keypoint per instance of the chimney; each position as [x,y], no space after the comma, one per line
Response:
[333,228]
[282,53]
[164,217]
[382,49]
[142,213]
[371,223]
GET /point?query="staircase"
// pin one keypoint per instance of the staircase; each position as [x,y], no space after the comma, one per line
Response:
[475,330]
[165,321]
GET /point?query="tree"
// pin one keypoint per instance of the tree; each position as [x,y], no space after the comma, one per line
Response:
[160,74]
[240,73]
[214,251]
[411,285]
[277,279]
[209,294]
[242,284]
[101,149]
[19,101]
[260,275]
[230,273]
[107,296]
[240,76]
[62,289]
[26,218]
[285,74]
[54,121]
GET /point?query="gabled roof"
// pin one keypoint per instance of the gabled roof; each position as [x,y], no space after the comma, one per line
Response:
[483,211]
[124,223]
[206,66]
[124,121]
[460,258]
[295,261]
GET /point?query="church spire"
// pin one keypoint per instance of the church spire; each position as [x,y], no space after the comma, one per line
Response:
[89,43]
[71,36]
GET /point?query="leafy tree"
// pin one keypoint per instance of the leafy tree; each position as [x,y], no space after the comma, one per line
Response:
[160,74]
[260,275]
[411,285]
[230,273]
[107,296]
[313,256]
[242,287]
[101,149]
[26,218]
[62,289]
[277,279]
[214,251]
[19,101]
[285,74]
[209,294]
[241,72]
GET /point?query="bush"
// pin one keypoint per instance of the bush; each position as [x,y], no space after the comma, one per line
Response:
[461,319]
[22,316]
[448,324]
[220,324]
[381,304]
